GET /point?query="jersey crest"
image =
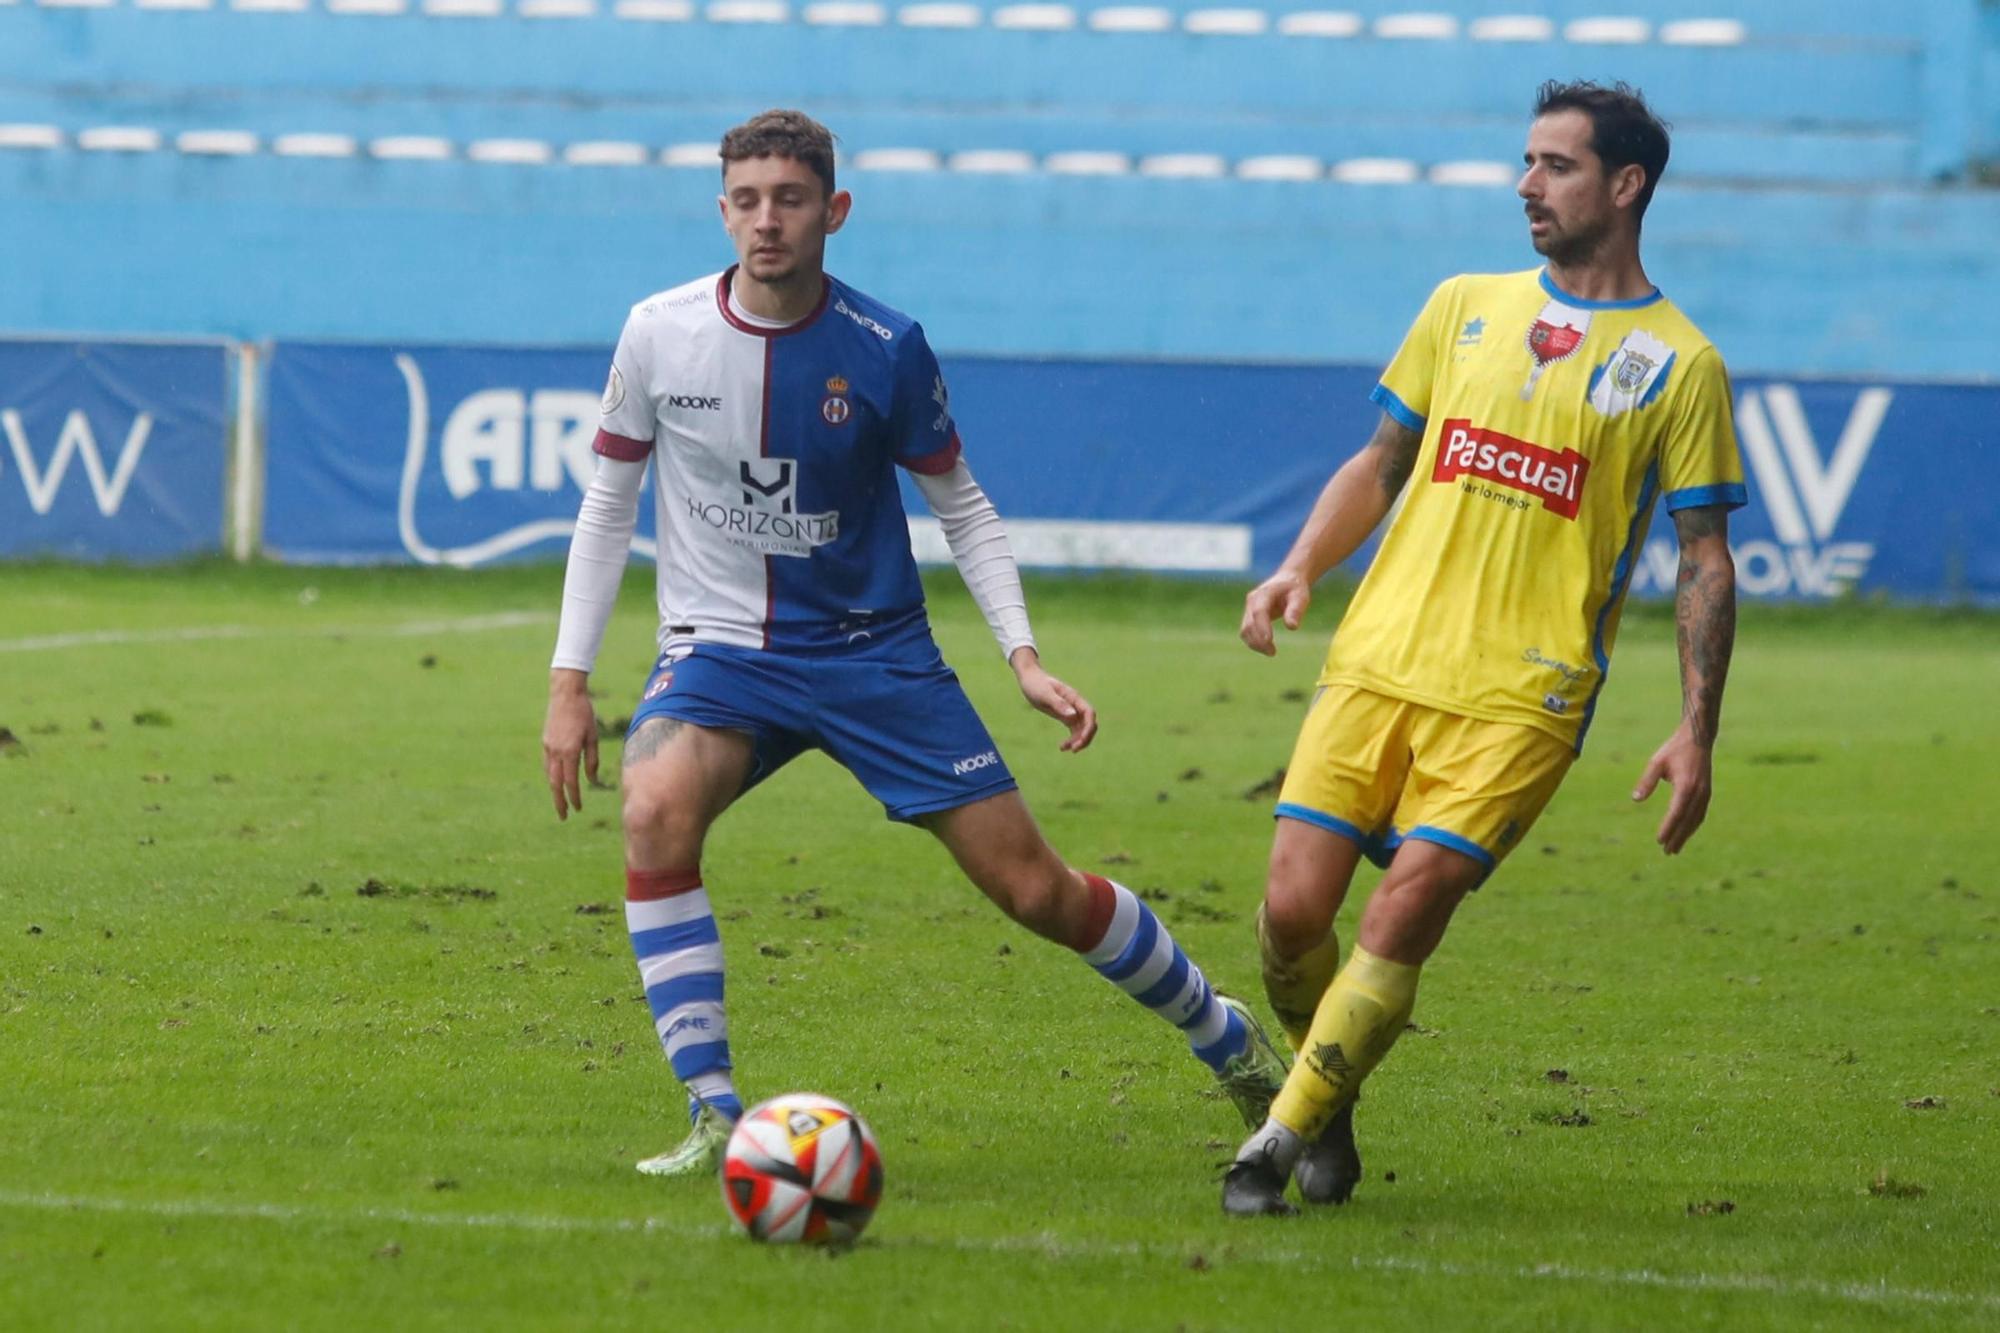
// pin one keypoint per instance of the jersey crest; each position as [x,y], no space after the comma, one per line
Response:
[1554,336]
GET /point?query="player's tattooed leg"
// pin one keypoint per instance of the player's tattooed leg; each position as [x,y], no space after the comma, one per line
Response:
[651,737]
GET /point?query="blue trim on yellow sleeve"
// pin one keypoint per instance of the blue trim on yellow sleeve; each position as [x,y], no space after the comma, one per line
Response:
[1385,398]
[1444,838]
[1728,494]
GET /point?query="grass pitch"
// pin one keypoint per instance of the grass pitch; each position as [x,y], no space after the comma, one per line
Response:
[312,1016]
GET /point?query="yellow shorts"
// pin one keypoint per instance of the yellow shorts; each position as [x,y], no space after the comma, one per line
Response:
[1381,770]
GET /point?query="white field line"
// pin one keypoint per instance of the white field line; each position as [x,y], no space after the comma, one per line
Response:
[198,633]
[1044,1244]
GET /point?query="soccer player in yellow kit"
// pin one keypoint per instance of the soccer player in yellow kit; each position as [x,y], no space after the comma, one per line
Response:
[1530,422]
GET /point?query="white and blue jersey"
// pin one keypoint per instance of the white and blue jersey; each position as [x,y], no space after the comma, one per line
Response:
[774,450]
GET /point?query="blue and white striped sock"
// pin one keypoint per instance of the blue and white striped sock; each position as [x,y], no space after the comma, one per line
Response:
[1131,948]
[680,963]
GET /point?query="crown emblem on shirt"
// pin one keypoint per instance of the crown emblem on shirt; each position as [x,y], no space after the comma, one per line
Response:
[836,409]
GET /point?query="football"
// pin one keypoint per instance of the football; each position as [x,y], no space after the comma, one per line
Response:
[802,1168]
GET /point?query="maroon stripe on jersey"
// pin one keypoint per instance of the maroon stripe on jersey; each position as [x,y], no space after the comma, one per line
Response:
[938,461]
[621,448]
[722,304]
[645,886]
[764,451]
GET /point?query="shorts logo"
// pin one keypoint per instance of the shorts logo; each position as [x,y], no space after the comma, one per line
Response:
[835,410]
[1554,478]
[659,687]
[975,763]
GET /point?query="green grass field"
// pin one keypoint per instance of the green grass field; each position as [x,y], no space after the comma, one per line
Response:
[312,1016]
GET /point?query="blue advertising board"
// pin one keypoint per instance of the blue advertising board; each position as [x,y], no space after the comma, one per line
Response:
[463,455]
[112,450]
[452,456]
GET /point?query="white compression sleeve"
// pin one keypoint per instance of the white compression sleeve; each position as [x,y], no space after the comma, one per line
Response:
[980,549]
[597,555]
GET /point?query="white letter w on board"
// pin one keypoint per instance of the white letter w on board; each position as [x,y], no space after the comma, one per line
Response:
[76,439]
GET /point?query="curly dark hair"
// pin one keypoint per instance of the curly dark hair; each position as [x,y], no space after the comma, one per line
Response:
[780,133]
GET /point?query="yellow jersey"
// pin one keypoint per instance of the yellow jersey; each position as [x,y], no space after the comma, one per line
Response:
[1551,426]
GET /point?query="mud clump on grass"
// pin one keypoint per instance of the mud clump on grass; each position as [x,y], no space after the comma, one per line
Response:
[1886,1186]
[444,893]
[1267,788]
[1711,1208]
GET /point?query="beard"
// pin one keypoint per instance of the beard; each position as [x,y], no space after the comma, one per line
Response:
[1569,249]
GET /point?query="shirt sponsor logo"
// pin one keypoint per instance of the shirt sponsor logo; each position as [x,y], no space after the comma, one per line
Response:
[841,307]
[1571,675]
[694,402]
[1556,479]
[766,520]
[975,763]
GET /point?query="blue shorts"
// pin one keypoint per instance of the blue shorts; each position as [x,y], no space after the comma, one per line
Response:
[890,712]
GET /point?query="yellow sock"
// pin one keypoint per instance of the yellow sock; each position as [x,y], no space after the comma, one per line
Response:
[1359,1019]
[1294,987]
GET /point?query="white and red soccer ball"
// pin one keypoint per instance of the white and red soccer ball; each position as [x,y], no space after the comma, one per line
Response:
[802,1167]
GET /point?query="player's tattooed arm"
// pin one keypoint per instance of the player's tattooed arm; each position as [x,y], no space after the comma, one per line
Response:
[1353,503]
[1396,445]
[1704,616]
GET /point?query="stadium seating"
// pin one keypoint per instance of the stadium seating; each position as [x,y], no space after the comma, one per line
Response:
[161,129]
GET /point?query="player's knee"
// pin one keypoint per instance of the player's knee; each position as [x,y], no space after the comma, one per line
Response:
[657,820]
[1298,909]
[1037,897]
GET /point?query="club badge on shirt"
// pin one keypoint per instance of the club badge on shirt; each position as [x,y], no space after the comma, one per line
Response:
[1632,374]
[1555,336]
[835,410]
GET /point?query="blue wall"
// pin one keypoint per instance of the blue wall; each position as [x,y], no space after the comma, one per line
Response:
[1801,223]
[1884,282]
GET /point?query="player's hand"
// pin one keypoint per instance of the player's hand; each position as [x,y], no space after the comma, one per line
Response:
[1286,594]
[1687,766]
[1056,699]
[569,732]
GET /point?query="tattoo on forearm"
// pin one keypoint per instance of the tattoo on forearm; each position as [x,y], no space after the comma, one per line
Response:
[651,738]
[1705,629]
[1400,459]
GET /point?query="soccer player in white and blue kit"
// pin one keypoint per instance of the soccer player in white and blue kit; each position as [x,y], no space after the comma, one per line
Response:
[774,403]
